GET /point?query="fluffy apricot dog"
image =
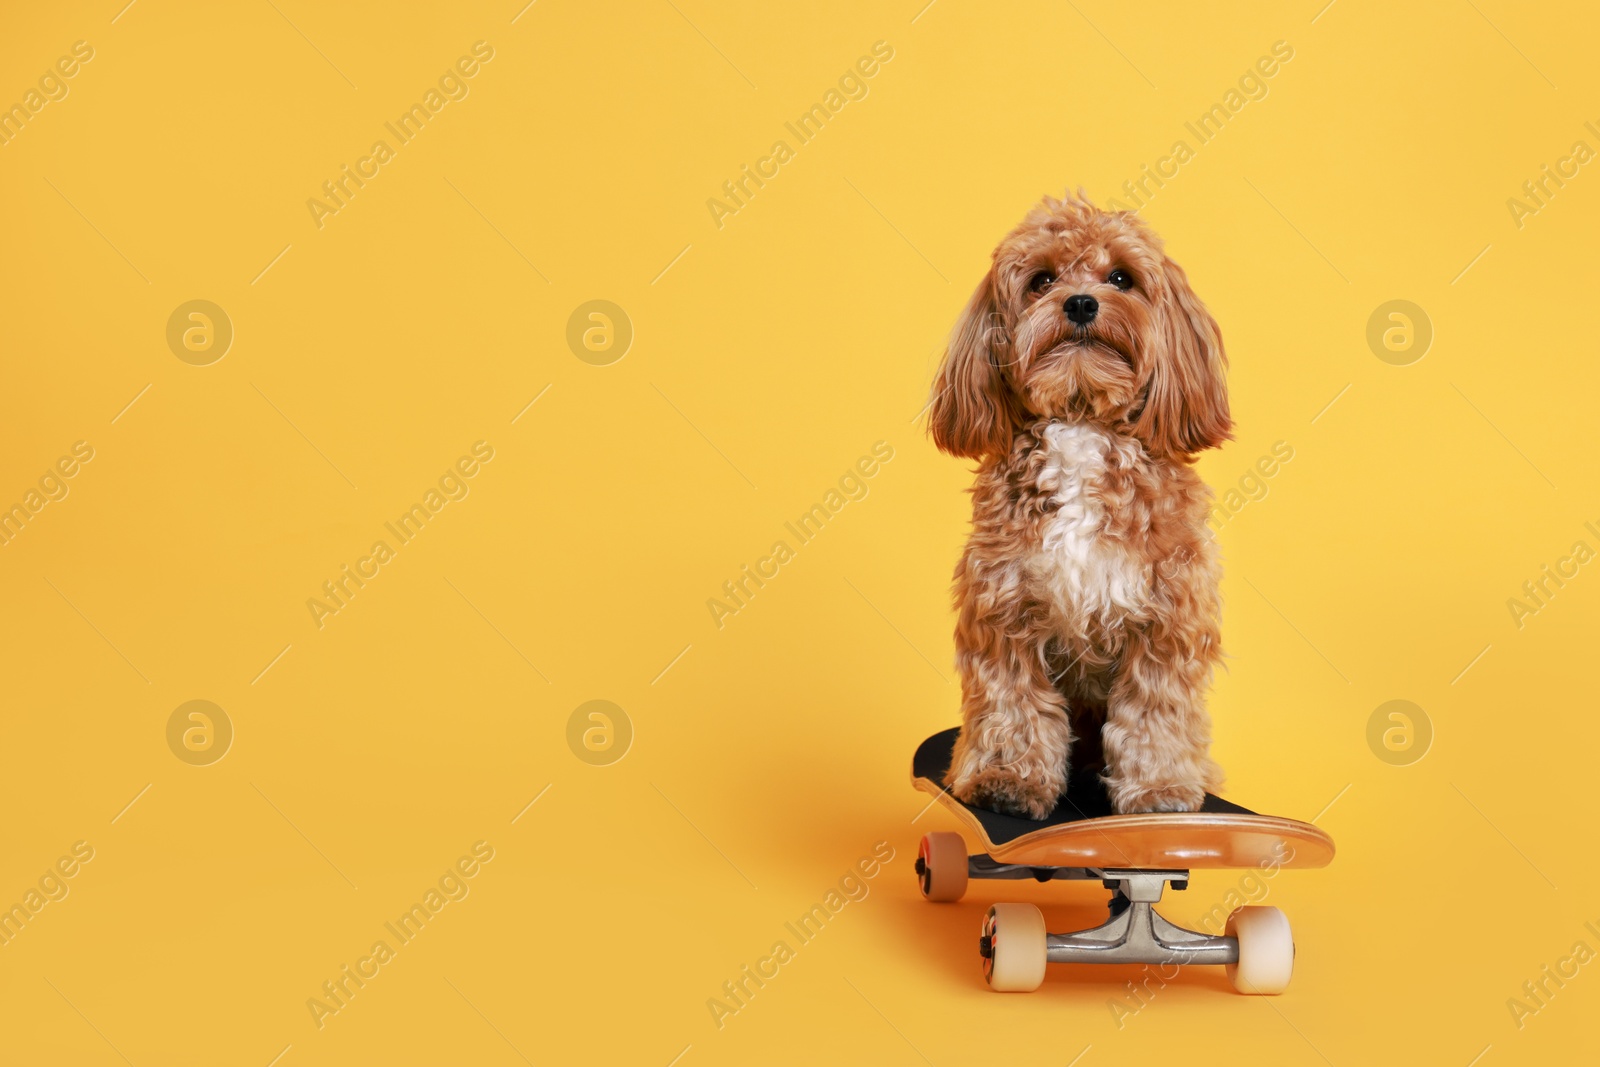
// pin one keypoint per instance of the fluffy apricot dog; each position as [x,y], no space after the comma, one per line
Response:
[1084,375]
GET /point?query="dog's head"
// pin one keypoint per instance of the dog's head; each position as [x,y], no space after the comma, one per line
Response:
[1082,316]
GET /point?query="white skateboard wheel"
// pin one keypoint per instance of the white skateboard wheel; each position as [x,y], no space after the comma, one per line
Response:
[1266,950]
[1015,948]
[942,866]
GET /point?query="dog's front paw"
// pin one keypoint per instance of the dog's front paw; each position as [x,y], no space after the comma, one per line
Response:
[1128,798]
[1005,791]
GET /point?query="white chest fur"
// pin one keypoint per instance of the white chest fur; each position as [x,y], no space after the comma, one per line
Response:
[1092,579]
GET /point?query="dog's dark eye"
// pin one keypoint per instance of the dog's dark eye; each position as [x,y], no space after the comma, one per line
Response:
[1041,281]
[1121,279]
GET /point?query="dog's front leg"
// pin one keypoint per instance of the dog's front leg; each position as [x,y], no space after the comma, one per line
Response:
[1016,739]
[1157,733]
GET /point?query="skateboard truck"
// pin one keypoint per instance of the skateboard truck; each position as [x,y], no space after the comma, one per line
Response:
[1136,932]
[1257,948]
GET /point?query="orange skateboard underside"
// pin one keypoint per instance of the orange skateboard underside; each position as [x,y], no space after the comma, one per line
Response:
[1228,836]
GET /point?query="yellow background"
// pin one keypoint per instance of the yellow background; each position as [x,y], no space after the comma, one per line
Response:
[771,754]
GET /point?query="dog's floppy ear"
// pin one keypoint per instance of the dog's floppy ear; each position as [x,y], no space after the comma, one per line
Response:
[973,413]
[1186,406]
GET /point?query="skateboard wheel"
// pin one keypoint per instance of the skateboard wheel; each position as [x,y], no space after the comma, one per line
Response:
[942,866]
[1266,950]
[1015,948]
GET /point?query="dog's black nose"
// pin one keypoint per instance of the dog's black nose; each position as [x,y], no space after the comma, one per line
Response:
[1082,308]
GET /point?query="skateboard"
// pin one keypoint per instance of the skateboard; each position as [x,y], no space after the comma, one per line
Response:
[1135,857]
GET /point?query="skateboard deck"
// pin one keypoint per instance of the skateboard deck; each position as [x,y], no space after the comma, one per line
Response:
[1083,832]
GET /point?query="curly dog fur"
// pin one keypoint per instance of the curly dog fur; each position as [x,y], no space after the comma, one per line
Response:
[1084,375]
